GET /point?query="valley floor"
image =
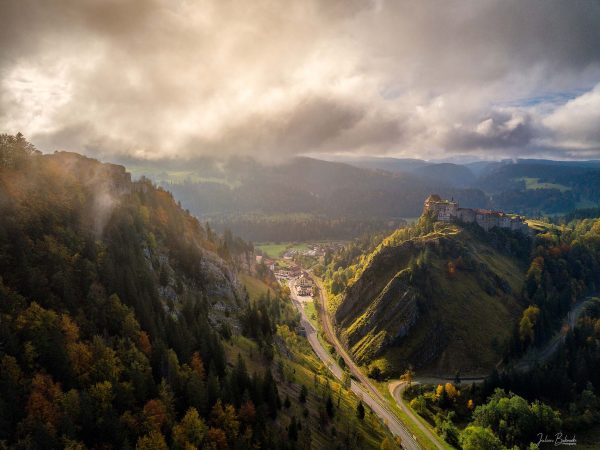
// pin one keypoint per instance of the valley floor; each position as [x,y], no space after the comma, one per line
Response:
[360,385]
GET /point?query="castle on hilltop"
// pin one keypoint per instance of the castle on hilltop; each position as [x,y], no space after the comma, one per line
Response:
[448,210]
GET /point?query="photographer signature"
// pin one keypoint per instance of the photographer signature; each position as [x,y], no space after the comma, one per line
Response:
[559,439]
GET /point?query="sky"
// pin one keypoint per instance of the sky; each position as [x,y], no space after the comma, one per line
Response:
[157,79]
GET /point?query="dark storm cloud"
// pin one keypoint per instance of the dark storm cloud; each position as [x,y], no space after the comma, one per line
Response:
[30,26]
[274,78]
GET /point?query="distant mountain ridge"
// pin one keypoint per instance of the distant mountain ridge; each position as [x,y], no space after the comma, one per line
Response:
[233,191]
[304,185]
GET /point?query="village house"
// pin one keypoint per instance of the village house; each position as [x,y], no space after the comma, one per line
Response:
[449,210]
[305,285]
[285,272]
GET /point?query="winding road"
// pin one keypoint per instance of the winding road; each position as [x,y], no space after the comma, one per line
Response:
[362,387]
[396,389]
[355,370]
[541,355]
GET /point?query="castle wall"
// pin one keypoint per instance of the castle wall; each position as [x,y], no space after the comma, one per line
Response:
[444,211]
[466,215]
[447,211]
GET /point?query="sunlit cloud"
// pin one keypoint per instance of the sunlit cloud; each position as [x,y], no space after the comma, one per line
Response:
[268,78]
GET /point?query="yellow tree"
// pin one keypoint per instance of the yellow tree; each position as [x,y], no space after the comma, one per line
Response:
[408,376]
[439,391]
[527,324]
[225,419]
[152,441]
[451,391]
[190,432]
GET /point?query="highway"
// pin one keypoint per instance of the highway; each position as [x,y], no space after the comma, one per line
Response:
[363,387]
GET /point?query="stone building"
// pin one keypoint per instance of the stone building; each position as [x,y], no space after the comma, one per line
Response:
[444,210]
[449,210]
[305,285]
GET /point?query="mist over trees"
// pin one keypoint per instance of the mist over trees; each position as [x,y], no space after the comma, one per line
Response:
[109,339]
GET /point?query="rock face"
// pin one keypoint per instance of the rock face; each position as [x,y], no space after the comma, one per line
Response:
[108,187]
[424,301]
[393,304]
[385,264]
[221,281]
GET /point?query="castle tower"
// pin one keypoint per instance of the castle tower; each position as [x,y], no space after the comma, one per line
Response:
[444,210]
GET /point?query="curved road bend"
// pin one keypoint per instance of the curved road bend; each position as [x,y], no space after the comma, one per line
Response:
[390,420]
[396,389]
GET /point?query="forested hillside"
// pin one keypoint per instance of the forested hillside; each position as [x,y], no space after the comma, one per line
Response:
[299,198]
[124,323]
[538,187]
[446,276]
[306,198]
[451,298]
[415,299]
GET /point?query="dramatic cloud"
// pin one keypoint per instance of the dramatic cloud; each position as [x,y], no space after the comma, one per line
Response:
[165,78]
[576,124]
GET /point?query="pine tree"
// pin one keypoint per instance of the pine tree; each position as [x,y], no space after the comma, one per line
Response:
[303,394]
[329,407]
[360,410]
[293,430]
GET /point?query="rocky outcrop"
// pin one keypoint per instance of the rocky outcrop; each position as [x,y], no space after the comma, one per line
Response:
[384,266]
[422,302]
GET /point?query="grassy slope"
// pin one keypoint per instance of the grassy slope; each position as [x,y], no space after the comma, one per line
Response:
[299,365]
[254,286]
[466,322]
[295,365]
[425,443]
[300,369]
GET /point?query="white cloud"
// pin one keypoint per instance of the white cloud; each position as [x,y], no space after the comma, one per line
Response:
[155,78]
[576,124]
